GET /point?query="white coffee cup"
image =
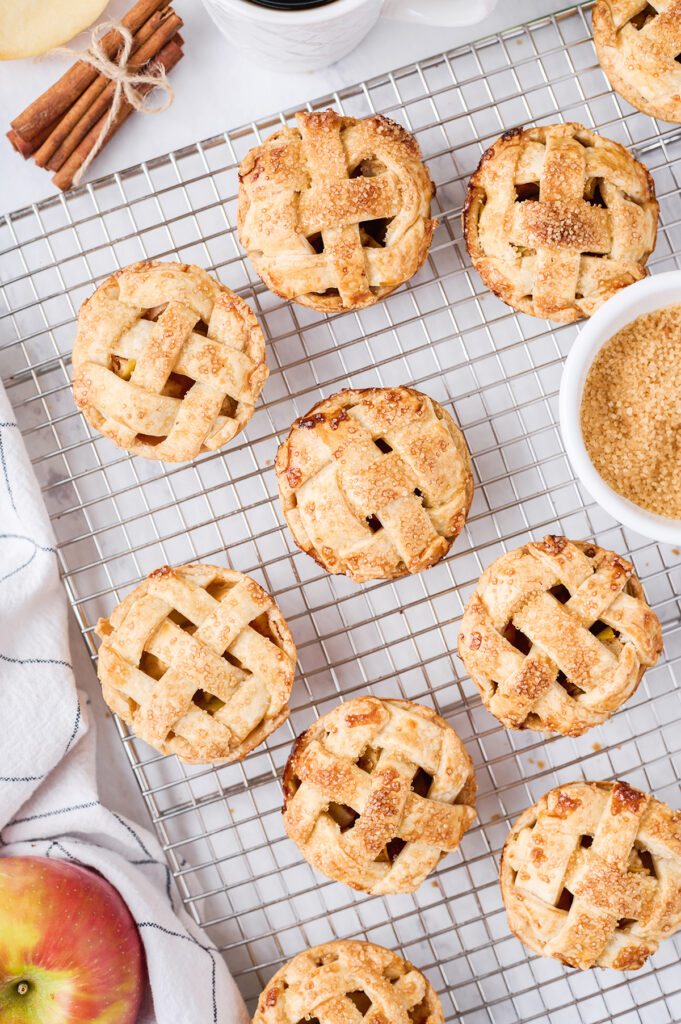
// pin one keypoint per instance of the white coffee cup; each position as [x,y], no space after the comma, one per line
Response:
[312,38]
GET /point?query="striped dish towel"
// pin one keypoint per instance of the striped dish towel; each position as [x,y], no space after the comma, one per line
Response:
[48,794]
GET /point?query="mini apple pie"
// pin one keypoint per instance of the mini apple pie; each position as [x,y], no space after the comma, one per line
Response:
[335,213]
[375,483]
[167,362]
[558,219]
[557,635]
[348,982]
[638,43]
[377,792]
[591,875]
[199,662]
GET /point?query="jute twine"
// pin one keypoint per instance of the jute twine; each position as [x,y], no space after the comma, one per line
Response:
[126,81]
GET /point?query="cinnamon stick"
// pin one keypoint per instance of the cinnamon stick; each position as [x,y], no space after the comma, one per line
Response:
[60,129]
[31,128]
[97,98]
[25,148]
[63,179]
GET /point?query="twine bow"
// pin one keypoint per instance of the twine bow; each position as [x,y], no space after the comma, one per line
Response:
[126,81]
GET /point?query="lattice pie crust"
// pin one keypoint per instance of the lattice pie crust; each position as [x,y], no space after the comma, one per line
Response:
[348,983]
[168,362]
[557,635]
[591,875]
[335,213]
[375,483]
[199,662]
[377,792]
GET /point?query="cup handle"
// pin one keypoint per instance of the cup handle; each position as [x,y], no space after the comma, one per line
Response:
[439,12]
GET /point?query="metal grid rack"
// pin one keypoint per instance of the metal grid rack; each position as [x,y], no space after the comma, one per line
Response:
[117,518]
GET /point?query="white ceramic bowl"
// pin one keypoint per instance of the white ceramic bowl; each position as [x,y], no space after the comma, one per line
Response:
[643,297]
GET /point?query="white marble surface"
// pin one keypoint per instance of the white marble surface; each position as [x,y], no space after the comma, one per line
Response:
[216,89]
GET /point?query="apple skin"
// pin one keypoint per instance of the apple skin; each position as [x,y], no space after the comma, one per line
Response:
[70,952]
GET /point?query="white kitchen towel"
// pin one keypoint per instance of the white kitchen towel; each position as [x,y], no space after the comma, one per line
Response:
[48,793]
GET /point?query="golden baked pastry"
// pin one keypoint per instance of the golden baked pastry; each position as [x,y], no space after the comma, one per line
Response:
[347,982]
[377,792]
[375,483]
[591,875]
[638,43]
[557,635]
[558,219]
[199,662]
[335,213]
[167,361]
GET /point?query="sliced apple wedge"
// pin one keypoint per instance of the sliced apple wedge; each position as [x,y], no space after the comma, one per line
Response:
[35,26]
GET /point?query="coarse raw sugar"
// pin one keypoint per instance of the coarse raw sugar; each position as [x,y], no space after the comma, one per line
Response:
[631,411]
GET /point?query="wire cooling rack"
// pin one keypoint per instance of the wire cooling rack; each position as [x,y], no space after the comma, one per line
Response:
[117,518]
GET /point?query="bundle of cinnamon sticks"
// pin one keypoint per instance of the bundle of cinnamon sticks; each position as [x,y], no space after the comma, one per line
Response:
[62,126]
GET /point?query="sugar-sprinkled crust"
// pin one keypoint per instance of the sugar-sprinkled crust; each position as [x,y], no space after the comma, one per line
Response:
[377,792]
[199,662]
[167,362]
[375,483]
[335,212]
[637,42]
[591,875]
[557,635]
[349,982]
[558,219]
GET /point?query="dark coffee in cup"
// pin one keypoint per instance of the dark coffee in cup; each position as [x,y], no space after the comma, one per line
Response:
[291,5]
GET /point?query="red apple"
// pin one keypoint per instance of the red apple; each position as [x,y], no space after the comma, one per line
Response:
[69,949]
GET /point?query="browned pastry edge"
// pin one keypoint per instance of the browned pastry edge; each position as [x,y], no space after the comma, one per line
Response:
[389,134]
[393,802]
[605,37]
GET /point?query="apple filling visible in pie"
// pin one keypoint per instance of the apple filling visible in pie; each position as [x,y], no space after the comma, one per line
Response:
[199,662]
[168,362]
[375,483]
